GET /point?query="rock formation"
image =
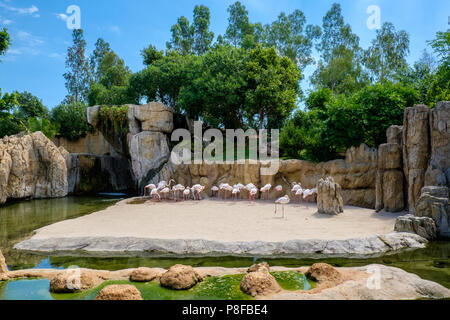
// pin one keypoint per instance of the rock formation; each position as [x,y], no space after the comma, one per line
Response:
[329,198]
[258,267]
[119,292]
[31,166]
[416,150]
[423,226]
[145,144]
[389,183]
[3,267]
[323,272]
[74,280]
[356,175]
[88,173]
[145,275]
[180,277]
[259,283]
[434,203]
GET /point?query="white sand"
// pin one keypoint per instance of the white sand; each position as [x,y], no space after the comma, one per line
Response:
[222,221]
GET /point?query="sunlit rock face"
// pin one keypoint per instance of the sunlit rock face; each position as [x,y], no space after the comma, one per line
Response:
[145,143]
[31,166]
[416,150]
[329,198]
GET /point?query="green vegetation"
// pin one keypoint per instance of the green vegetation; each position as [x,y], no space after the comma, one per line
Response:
[115,115]
[212,288]
[249,78]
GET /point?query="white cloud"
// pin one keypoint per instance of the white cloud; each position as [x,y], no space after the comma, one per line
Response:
[5,22]
[61,16]
[55,55]
[115,29]
[25,11]
[29,38]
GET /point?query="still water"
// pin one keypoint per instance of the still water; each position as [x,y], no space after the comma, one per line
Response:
[19,220]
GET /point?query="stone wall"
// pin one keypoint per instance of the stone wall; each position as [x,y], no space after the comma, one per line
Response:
[31,166]
[356,175]
[93,143]
[423,187]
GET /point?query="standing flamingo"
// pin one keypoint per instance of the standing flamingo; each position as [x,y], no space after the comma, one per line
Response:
[198,189]
[279,190]
[214,191]
[299,195]
[155,195]
[235,193]
[252,194]
[266,190]
[187,193]
[283,201]
[165,192]
[151,187]
[308,194]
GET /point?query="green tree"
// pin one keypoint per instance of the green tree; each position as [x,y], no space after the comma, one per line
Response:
[5,41]
[387,54]
[101,49]
[441,45]
[272,87]
[239,27]
[44,125]
[291,37]
[182,40]
[342,74]
[112,87]
[214,90]
[336,34]
[30,106]
[202,36]
[340,66]
[72,119]
[78,76]
[151,54]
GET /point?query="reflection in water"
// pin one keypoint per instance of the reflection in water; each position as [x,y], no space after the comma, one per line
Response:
[18,220]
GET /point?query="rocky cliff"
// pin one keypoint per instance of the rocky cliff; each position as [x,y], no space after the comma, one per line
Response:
[143,140]
[31,166]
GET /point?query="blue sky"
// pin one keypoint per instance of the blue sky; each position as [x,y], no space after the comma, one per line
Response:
[35,61]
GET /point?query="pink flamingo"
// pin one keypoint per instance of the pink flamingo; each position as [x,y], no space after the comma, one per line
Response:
[252,194]
[235,193]
[155,195]
[214,191]
[283,201]
[150,187]
[309,194]
[279,190]
[299,195]
[266,190]
[187,193]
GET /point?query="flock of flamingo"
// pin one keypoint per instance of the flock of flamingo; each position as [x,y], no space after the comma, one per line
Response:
[165,191]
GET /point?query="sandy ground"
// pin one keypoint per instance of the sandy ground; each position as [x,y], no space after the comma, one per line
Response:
[222,221]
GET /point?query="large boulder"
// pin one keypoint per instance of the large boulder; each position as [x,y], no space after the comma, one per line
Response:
[440,135]
[3,266]
[323,272]
[329,198]
[434,203]
[148,151]
[31,166]
[74,280]
[394,134]
[153,116]
[423,226]
[145,275]
[119,292]
[416,150]
[180,277]
[259,283]
[258,267]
